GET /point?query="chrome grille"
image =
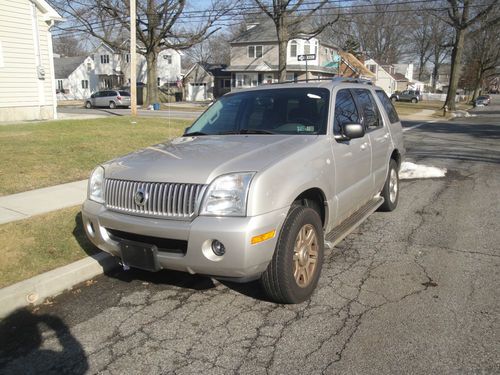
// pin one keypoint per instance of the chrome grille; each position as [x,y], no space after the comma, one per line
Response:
[164,199]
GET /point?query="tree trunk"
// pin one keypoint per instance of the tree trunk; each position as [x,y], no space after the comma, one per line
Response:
[435,74]
[477,84]
[282,32]
[456,60]
[152,85]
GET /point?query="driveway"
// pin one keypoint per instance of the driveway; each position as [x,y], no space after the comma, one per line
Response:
[413,291]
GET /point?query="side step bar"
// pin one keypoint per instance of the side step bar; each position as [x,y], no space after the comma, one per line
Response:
[352,222]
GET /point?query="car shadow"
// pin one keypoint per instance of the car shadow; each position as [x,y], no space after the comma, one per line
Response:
[22,335]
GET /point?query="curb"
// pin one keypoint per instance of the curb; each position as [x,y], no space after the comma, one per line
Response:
[49,284]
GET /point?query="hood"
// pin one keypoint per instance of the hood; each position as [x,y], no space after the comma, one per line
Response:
[200,159]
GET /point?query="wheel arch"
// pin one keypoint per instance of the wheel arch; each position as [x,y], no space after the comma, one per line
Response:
[314,198]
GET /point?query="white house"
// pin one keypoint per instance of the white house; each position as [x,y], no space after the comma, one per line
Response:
[405,69]
[108,68]
[27,88]
[74,77]
[383,77]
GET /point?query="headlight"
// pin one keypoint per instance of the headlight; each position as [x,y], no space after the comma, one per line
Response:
[227,195]
[96,185]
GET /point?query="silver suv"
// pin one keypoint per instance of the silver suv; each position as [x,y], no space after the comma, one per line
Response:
[108,98]
[255,188]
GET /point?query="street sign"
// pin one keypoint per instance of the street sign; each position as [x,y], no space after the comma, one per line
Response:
[309,56]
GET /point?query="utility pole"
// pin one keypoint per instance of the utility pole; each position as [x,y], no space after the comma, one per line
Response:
[133,60]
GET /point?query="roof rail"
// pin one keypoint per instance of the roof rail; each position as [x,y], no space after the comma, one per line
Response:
[352,80]
[303,80]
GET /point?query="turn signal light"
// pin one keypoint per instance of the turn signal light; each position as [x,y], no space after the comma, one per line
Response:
[263,237]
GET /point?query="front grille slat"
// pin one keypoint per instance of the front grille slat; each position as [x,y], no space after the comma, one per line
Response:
[167,200]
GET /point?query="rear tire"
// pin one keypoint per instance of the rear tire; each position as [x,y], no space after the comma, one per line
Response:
[293,273]
[390,191]
[394,99]
[414,100]
[112,105]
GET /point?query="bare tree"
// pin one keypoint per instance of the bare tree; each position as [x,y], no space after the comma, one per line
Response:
[421,36]
[440,47]
[483,54]
[292,20]
[461,15]
[381,27]
[69,45]
[160,26]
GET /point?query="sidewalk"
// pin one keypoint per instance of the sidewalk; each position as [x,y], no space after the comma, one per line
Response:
[23,205]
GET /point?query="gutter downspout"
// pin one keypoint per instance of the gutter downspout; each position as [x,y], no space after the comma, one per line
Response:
[52,73]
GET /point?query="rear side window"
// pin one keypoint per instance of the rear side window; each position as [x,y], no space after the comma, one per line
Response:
[389,108]
[371,117]
[124,93]
[345,111]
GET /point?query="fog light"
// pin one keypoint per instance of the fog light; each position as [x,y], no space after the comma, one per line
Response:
[218,248]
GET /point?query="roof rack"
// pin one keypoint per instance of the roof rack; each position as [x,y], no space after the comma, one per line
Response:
[352,80]
[303,80]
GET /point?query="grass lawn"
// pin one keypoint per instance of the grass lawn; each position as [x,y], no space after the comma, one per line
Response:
[36,155]
[407,108]
[41,243]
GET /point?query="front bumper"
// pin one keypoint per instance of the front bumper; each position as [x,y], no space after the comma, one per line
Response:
[241,259]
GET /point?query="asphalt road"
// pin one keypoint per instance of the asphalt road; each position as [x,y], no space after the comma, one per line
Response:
[75,111]
[415,291]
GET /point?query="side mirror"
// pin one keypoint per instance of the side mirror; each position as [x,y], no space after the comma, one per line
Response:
[186,129]
[351,131]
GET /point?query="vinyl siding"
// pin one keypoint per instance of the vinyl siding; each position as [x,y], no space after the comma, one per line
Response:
[19,83]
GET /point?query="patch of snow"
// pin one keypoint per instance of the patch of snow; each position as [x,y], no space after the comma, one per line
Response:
[460,113]
[411,170]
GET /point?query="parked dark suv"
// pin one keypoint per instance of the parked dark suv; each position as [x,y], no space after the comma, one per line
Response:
[108,98]
[406,96]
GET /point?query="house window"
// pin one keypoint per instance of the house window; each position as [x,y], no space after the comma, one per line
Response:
[89,67]
[307,47]
[225,83]
[158,81]
[290,77]
[246,79]
[372,67]
[293,48]
[168,58]
[85,84]
[60,84]
[254,51]
[127,58]
[104,59]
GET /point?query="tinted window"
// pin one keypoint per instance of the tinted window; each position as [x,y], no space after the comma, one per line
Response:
[368,108]
[345,111]
[389,108]
[124,93]
[280,111]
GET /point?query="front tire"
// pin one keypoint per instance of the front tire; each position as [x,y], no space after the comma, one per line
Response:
[112,105]
[394,99]
[414,100]
[88,105]
[390,191]
[293,273]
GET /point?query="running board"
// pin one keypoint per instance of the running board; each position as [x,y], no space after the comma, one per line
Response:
[352,222]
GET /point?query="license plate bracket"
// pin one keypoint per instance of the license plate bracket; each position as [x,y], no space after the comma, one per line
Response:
[140,255]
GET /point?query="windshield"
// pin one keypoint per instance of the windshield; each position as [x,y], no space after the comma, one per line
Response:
[274,111]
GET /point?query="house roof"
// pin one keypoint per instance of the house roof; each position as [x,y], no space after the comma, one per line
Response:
[217,70]
[48,12]
[64,66]
[264,31]
[399,77]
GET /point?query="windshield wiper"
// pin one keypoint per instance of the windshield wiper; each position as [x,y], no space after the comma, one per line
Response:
[256,131]
[193,134]
[246,131]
